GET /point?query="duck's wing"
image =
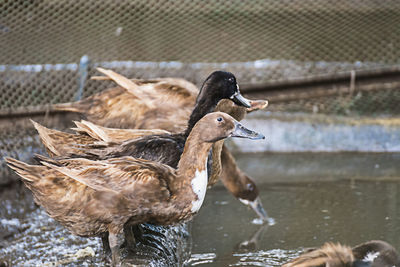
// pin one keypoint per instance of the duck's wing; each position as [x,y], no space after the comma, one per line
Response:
[130,86]
[181,86]
[55,191]
[90,137]
[114,107]
[103,191]
[134,102]
[153,89]
[130,177]
[113,135]
[58,143]
[171,91]
[166,149]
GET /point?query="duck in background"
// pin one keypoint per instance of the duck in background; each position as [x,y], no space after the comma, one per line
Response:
[168,147]
[93,198]
[164,103]
[375,253]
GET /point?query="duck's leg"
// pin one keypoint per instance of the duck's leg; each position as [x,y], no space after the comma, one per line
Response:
[129,237]
[137,232]
[106,245]
[115,248]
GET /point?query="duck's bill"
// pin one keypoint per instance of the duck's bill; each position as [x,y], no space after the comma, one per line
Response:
[257,206]
[242,132]
[240,100]
[257,105]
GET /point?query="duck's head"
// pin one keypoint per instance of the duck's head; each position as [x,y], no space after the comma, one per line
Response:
[248,194]
[239,112]
[218,125]
[222,85]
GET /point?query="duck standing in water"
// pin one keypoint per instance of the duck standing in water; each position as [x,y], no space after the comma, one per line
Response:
[220,88]
[375,253]
[92,198]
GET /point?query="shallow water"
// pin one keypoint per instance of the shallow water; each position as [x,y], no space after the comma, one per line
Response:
[348,197]
[314,198]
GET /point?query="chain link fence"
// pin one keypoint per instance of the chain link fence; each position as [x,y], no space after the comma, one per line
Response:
[260,41]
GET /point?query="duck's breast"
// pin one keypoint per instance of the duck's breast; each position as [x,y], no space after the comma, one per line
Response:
[199,187]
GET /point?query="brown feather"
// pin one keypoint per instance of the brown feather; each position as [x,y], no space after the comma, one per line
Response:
[113,135]
[335,255]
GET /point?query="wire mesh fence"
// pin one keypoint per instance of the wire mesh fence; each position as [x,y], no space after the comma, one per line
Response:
[260,41]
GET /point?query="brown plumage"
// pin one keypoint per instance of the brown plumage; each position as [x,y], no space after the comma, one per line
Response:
[93,197]
[164,103]
[157,99]
[375,253]
[88,135]
[100,142]
[330,254]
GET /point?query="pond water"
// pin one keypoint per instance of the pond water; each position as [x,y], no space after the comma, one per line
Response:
[314,198]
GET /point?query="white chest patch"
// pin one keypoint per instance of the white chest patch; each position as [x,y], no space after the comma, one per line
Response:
[199,187]
[371,256]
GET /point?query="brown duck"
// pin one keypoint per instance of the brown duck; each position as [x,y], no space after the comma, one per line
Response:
[167,148]
[92,138]
[92,198]
[164,103]
[374,253]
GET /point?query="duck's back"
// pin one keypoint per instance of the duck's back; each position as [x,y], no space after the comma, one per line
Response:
[165,149]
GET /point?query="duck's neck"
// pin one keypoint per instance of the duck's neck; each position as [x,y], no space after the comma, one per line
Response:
[192,171]
[216,162]
[204,105]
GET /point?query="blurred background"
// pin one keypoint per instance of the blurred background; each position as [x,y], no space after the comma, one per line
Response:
[331,73]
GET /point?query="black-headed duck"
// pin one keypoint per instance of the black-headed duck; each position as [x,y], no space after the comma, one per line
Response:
[167,148]
[375,253]
[92,198]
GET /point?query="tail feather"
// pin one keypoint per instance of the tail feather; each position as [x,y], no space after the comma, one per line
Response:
[129,85]
[41,158]
[28,173]
[47,141]
[92,130]
[71,106]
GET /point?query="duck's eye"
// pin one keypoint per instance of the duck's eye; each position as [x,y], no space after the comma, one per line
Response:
[231,79]
[219,119]
[250,187]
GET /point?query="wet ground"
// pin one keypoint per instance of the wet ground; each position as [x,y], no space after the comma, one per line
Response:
[314,197]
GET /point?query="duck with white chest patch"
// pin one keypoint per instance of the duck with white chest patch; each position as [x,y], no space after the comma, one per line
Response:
[92,198]
[219,91]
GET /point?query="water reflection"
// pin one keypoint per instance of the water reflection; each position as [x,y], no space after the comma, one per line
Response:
[253,242]
[308,212]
